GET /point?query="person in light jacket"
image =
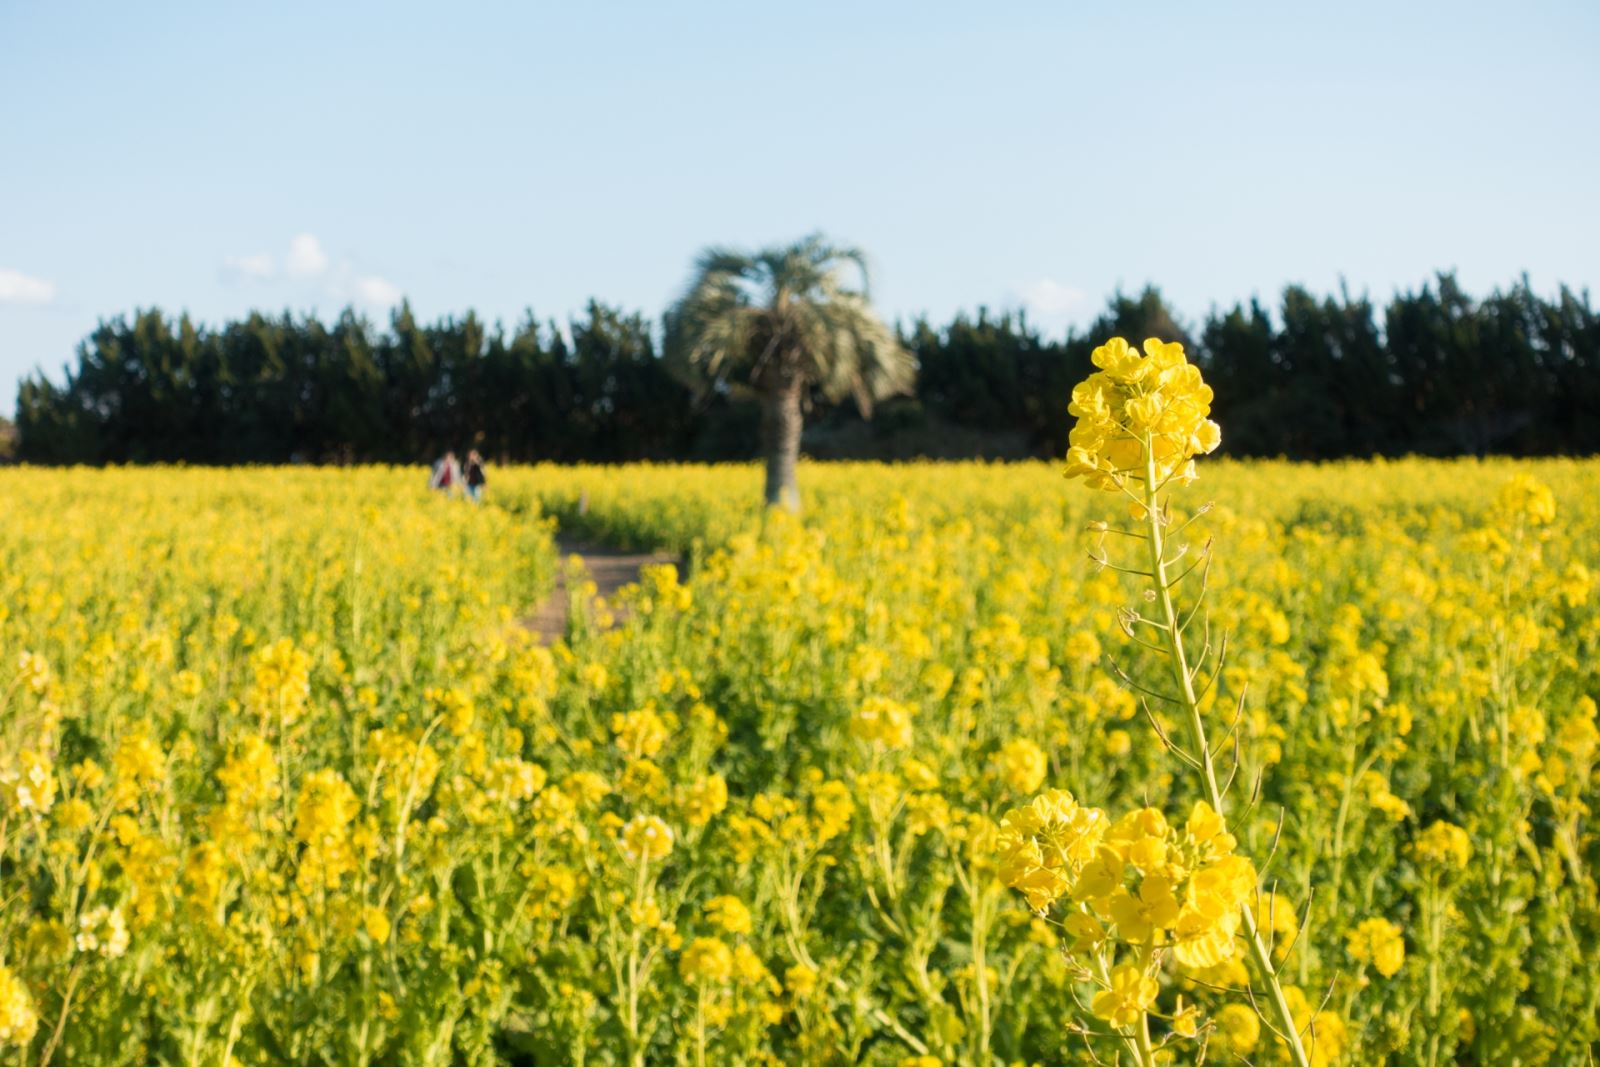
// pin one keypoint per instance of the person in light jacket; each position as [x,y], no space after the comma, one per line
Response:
[446,475]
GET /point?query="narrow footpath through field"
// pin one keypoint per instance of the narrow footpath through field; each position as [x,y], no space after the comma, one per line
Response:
[608,568]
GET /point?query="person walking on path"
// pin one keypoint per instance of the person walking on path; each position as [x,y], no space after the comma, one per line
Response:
[474,477]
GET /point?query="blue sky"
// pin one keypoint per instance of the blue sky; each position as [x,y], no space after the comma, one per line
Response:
[216,158]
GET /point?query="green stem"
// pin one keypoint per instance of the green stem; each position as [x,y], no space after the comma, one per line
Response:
[1202,747]
[631,1005]
[700,1027]
[1431,926]
[980,963]
[1330,906]
[794,925]
[61,1020]
[233,1029]
[1141,1040]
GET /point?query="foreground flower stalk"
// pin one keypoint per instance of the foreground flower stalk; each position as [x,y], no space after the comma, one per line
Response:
[1156,521]
[1141,422]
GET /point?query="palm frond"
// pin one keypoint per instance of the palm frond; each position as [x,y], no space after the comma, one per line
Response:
[793,307]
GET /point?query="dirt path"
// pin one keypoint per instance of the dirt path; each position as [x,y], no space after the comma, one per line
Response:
[608,568]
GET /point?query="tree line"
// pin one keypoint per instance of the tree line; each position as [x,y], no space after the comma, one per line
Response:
[1433,371]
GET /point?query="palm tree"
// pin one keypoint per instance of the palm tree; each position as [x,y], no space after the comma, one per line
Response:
[785,324]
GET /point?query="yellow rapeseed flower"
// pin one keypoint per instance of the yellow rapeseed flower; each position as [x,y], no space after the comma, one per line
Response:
[883,721]
[1378,942]
[18,1018]
[704,799]
[376,924]
[1238,1029]
[1130,995]
[800,981]
[728,913]
[1443,844]
[1157,399]
[1022,765]
[1046,843]
[707,961]
[645,838]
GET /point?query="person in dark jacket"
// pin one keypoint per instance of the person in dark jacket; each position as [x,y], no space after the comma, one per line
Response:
[472,474]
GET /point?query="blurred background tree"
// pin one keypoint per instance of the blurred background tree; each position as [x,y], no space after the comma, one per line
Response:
[785,325]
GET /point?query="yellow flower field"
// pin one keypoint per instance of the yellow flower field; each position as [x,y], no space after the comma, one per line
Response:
[284,780]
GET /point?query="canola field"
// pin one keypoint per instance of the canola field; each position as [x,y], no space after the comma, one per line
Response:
[911,780]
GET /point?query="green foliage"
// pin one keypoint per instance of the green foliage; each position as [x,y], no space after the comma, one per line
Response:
[269,390]
[1432,372]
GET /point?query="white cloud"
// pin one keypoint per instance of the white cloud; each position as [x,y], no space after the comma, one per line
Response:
[257,268]
[17,288]
[379,292]
[306,257]
[307,263]
[1050,299]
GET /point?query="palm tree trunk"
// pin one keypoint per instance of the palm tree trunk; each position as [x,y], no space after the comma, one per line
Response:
[780,433]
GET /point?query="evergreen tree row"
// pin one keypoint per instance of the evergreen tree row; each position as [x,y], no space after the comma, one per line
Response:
[1433,372]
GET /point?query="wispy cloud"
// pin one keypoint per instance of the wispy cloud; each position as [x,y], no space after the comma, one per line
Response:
[306,257]
[307,266]
[18,288]
[261,267]
[1048,298]
[378,292]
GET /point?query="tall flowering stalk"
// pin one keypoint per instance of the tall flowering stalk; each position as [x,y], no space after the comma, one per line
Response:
[1141,421]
